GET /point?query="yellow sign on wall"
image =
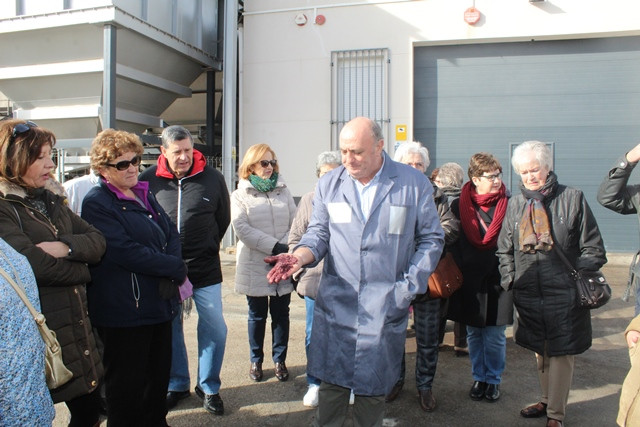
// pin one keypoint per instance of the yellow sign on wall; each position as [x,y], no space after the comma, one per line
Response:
[401,132]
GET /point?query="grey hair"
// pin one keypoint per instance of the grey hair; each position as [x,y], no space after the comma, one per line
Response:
[413,147]
[175,133]
[328,158]
[377,130]
[540,150]
[451,175]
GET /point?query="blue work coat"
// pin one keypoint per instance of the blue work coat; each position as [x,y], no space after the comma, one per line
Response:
[372,271]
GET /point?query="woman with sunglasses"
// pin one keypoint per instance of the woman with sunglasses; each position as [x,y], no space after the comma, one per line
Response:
[35,220]
[262,211]
[133,293]
[481,303]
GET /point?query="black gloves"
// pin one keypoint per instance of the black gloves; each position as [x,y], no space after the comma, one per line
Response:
[279,248]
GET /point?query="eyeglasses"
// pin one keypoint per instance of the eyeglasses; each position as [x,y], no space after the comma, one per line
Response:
[21,128]
[265,163]
[124,164]
[492,177]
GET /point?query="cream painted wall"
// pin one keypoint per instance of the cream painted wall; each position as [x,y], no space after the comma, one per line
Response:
[286,78]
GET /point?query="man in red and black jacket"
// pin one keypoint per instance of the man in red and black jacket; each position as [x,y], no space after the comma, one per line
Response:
[196,198]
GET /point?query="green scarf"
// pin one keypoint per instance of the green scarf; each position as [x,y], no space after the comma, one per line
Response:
[264,185]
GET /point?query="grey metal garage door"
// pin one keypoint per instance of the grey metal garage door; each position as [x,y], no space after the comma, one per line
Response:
[582,96]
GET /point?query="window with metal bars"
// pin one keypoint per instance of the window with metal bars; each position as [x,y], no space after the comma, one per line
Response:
[359,87]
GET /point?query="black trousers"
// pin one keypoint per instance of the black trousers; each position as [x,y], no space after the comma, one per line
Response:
[137,363]
[85,410]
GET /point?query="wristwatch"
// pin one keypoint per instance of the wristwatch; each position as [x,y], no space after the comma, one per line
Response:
[70,251]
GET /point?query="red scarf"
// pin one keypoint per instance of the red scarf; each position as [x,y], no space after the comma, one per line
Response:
[470,203]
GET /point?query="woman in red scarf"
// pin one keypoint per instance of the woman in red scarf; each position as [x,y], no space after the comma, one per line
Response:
[481,303]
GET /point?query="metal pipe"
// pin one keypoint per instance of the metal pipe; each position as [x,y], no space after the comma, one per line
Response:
[108,114]
[229,100]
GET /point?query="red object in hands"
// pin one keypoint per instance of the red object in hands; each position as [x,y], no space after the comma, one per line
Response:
[284,264]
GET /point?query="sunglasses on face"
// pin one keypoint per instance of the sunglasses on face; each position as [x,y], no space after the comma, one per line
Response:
[21,128]
[124,164]
[265,163]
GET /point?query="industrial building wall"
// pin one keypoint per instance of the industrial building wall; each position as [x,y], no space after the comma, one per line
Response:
[286,69]
[580,96]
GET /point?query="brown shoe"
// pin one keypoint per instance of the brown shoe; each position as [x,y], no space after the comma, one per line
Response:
[282,374]
[553,423]
[255,373]
[395,392]
[535,411]
[427,401]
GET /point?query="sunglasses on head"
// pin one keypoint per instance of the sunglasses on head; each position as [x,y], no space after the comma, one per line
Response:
[265,163]
[124,164]
[21,128]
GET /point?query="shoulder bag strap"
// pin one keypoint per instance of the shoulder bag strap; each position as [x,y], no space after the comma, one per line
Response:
[563,257]
[556,245]
[20,293]
[39,318]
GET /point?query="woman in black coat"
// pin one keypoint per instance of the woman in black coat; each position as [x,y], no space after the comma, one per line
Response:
[544,218]
[481,303]
[35,221]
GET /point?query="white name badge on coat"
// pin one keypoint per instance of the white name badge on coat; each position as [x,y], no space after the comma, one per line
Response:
[340,213]
[397,218]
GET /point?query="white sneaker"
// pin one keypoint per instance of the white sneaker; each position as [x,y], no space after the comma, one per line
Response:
[352,398]
[311,398]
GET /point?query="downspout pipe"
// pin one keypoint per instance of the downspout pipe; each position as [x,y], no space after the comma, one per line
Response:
[229,101]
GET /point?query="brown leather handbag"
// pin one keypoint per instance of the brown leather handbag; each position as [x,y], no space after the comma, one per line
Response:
[446,279]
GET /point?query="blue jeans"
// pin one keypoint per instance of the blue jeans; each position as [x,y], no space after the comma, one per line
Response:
[426,317]
[488,352]
[278,307]
[310,304]
[212,338]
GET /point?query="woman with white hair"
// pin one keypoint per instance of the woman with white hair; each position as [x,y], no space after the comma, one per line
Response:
[309,278]
[546,218]
[426,311]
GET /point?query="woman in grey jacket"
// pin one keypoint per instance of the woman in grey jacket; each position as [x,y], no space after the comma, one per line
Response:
[262,210]
[545,218]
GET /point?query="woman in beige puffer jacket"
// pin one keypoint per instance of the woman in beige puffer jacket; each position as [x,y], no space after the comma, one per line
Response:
[262,210]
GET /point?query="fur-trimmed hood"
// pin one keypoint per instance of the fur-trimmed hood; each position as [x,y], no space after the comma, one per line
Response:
[9,188]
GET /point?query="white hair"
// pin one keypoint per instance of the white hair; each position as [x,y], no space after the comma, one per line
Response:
[413,147]
[451,175]
[328,158]
[540,150]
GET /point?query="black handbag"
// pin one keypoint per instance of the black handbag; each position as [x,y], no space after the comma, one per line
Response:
[592,287]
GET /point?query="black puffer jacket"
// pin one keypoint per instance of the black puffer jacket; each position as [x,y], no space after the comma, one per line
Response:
[543,292]
[61,281]
[199,206]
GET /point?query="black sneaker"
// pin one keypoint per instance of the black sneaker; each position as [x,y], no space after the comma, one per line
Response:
[211,402]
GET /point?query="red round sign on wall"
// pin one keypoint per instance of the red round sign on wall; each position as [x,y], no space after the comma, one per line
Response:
[471,15]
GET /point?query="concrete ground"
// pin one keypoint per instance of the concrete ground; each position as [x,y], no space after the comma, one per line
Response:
[593,400]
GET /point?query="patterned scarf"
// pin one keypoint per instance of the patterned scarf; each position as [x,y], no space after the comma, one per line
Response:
[35,196]
[535,231]
[470,203]
[264,185]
